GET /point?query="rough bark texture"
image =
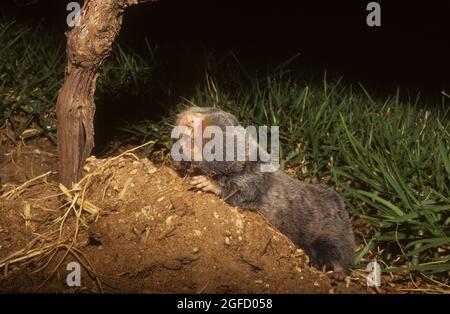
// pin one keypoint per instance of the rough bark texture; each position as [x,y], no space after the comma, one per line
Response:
[88,46]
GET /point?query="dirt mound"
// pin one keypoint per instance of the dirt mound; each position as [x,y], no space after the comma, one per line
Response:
[135,227]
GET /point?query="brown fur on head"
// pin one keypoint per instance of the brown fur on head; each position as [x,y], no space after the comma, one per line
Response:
[209,117]
[188,119]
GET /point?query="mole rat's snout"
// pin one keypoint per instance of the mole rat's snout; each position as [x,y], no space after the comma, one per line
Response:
[190,121]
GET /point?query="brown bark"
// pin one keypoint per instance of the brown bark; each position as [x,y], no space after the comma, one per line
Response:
[88,46]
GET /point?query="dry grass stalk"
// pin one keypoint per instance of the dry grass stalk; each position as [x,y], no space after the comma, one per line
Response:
[18,190]
[45,247]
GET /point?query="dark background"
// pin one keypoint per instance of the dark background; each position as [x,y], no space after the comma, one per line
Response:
[410,49]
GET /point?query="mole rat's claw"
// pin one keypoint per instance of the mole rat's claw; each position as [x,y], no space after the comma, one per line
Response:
[338,272]
[205,184]
[197,181]
[339,275]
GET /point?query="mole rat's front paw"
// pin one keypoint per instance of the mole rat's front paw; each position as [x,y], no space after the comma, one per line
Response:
[339,272]
[339,275]
[206,185]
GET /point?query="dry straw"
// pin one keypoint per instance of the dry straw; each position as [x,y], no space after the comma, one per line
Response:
[60,239]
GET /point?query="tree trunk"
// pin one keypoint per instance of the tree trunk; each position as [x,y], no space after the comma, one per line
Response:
[88,46]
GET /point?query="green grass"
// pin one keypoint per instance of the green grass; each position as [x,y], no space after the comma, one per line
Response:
[32,63]
[389,157]
[31,73]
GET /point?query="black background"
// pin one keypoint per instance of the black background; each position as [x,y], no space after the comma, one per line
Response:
[410,49]
[287,303]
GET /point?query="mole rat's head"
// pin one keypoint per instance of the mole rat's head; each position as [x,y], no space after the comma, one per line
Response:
[208,116]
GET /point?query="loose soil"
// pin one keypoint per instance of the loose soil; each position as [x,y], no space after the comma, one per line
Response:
[146,232]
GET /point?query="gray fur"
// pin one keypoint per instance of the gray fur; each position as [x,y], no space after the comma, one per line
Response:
[312,216]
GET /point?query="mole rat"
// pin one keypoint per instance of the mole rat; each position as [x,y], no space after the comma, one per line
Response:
[313,216]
